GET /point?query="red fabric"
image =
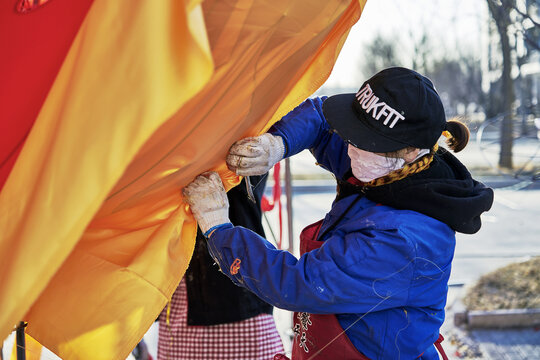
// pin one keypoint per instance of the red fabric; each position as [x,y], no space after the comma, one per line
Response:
[308,237]
[33,46]
[251,339]
[319,336]
[266,205]
[24,6]
[354,181]
[440,348]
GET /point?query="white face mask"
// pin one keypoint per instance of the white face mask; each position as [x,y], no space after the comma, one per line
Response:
[367,166]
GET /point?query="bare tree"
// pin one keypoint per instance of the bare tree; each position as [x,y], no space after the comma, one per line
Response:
[459,82]
[523,16]
[514,20]
[500,12]
[456,75]
[381,53]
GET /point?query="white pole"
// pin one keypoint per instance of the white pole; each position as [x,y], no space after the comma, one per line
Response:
[288,195]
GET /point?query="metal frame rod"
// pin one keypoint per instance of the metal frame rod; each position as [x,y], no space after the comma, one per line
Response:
[288,194]
[20,341]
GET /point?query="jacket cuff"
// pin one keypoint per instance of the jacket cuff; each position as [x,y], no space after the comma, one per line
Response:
[211,231]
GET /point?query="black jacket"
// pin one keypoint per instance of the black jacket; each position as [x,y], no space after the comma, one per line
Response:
[212,297]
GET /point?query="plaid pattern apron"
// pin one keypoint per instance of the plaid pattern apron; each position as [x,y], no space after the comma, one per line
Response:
[251,339]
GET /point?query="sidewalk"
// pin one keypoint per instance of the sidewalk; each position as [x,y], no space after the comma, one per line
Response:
[488,344]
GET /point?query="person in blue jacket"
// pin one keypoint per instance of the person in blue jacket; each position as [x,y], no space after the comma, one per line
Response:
[372,279]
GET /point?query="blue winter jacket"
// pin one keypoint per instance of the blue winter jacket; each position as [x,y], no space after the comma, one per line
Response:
[382,271]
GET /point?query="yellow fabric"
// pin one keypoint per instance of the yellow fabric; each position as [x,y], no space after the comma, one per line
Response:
[33,349]
[152,93]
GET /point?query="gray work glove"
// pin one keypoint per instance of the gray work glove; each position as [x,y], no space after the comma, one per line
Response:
[208,201]
[255,155]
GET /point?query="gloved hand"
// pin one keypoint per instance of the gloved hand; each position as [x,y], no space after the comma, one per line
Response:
[255,155]
[208,201]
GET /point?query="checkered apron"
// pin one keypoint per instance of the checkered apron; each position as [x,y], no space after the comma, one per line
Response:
[251,339]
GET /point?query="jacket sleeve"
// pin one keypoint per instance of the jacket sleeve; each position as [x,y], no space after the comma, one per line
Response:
[306,128]
[358,273]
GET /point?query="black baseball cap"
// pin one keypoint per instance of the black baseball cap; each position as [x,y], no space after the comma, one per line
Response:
[394,109]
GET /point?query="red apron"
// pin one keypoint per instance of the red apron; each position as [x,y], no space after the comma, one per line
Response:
[321,336]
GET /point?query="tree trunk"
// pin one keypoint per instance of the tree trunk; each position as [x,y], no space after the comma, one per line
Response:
[501,15]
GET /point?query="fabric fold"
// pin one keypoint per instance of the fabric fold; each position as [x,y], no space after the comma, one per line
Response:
[149,95]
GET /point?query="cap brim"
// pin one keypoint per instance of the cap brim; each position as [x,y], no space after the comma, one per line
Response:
[353,126]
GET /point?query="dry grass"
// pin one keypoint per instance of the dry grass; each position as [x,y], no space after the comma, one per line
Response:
[516,286]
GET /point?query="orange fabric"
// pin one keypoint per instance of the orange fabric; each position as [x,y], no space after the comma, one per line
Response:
[150,94]
[128,70]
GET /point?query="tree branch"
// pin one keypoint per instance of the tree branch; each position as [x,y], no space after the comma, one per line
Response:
[530,40]
[523,14]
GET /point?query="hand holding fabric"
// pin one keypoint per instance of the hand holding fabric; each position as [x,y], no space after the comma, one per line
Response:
[208,201]
[255,155]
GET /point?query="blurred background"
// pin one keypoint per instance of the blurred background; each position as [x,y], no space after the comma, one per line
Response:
[482,55]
